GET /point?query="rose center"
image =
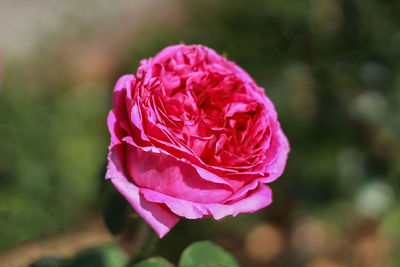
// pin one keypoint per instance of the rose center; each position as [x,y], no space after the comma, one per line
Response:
[215,118]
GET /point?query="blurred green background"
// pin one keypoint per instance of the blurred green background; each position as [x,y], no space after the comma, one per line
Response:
[331,67]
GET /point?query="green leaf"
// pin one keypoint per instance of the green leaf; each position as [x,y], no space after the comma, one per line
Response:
[206,254]
[115,208]
[102,256]
[154,262]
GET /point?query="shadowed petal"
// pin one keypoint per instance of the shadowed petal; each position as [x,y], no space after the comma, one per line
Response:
[158,217]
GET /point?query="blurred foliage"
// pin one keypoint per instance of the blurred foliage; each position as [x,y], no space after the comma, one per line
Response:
[198,254]
[332,69]
[53,146]
[104,256]
[154,262]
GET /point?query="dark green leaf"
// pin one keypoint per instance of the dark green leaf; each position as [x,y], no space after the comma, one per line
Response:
[47,262]
[116,208]
[154,262]
[206,254]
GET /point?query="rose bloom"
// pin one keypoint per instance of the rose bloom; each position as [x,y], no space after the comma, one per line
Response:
[193,136]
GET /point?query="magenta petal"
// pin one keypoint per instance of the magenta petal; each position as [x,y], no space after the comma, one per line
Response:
[120,90]
[276,168]
[159,218]
[116,131]
[202,172]
[167,53]
[243,191]
[137,121]
[163,173]
[208,176]
[181,207]
[257,199]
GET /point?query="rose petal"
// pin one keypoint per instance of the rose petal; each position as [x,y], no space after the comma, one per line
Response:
[116,131]
[164,173]
[167,53]
[120,90]
[243,190]
[276,168]
[257,199]
[159,218]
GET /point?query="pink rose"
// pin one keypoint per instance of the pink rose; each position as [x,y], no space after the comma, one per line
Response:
[193,136]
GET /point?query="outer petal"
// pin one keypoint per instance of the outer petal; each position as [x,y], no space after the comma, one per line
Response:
[116,131]
[202,172]
[276,167]
[163,173]
[244,190]
[120,90]
[158,217]
[255,200]
[168,53]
